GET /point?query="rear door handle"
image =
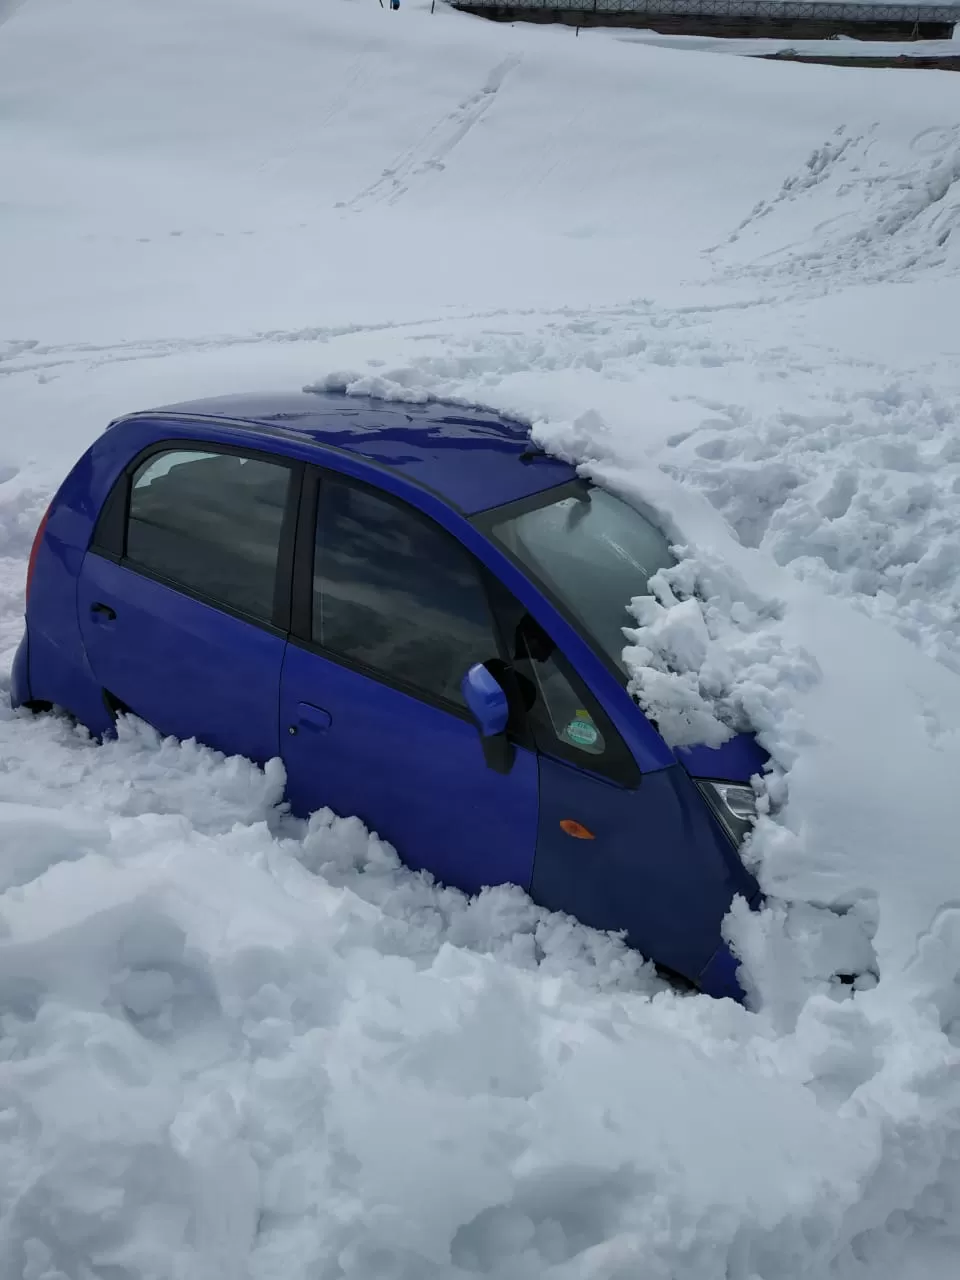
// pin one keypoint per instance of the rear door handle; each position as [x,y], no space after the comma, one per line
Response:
[103,612]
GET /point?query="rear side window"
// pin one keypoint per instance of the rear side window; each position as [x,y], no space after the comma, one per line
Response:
[397,594]
[210,522]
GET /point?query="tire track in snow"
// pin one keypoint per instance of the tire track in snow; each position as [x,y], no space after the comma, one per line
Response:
[429,154]
[32,357]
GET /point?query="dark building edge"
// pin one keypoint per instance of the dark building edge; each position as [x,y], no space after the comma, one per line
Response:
[726,25]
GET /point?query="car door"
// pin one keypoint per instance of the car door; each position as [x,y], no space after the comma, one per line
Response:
[182,595]
[390,611]
[618,850]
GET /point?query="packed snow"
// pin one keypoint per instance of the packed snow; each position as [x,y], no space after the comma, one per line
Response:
[233,1044]
[841,46]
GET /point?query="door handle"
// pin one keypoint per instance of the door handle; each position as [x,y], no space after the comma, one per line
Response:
[315,718]
[103,612]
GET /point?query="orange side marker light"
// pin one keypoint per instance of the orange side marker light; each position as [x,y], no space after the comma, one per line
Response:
[576,829]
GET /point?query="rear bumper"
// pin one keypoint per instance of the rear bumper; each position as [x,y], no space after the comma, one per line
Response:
[20,675]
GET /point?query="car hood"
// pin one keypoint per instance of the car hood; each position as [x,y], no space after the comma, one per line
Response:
[736,761]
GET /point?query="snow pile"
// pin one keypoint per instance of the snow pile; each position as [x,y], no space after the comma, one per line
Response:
[232,1048]
[878,526]
[232,1045]
[708,660]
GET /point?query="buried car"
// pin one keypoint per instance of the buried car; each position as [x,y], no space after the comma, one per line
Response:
[421,613]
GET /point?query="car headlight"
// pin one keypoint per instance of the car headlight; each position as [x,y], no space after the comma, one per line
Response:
[734,805]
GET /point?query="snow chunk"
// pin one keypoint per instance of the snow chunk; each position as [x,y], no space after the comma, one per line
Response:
[710,659]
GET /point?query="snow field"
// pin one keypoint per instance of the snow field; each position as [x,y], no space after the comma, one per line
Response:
[234,1046]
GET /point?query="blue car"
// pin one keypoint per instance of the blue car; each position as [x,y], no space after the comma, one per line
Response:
[420,613]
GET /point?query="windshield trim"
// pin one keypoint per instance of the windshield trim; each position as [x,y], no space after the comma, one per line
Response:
[532,502]
[484,522]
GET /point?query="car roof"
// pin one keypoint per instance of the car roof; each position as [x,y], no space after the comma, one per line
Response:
[472,458]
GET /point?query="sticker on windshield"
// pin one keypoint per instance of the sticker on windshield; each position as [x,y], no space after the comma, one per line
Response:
[581,730]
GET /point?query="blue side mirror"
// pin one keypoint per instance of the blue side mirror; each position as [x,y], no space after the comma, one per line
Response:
[485,700]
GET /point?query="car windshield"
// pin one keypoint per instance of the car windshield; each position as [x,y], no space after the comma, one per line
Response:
[593,552]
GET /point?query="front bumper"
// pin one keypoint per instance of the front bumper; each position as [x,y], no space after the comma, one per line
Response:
[20,675]
[719,976]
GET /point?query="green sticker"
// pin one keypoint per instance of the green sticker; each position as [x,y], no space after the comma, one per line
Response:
[582,732]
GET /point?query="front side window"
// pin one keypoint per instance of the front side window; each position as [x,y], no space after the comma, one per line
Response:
[210,522]
[564,717]
[557,711]
[593,552]
[397,594]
